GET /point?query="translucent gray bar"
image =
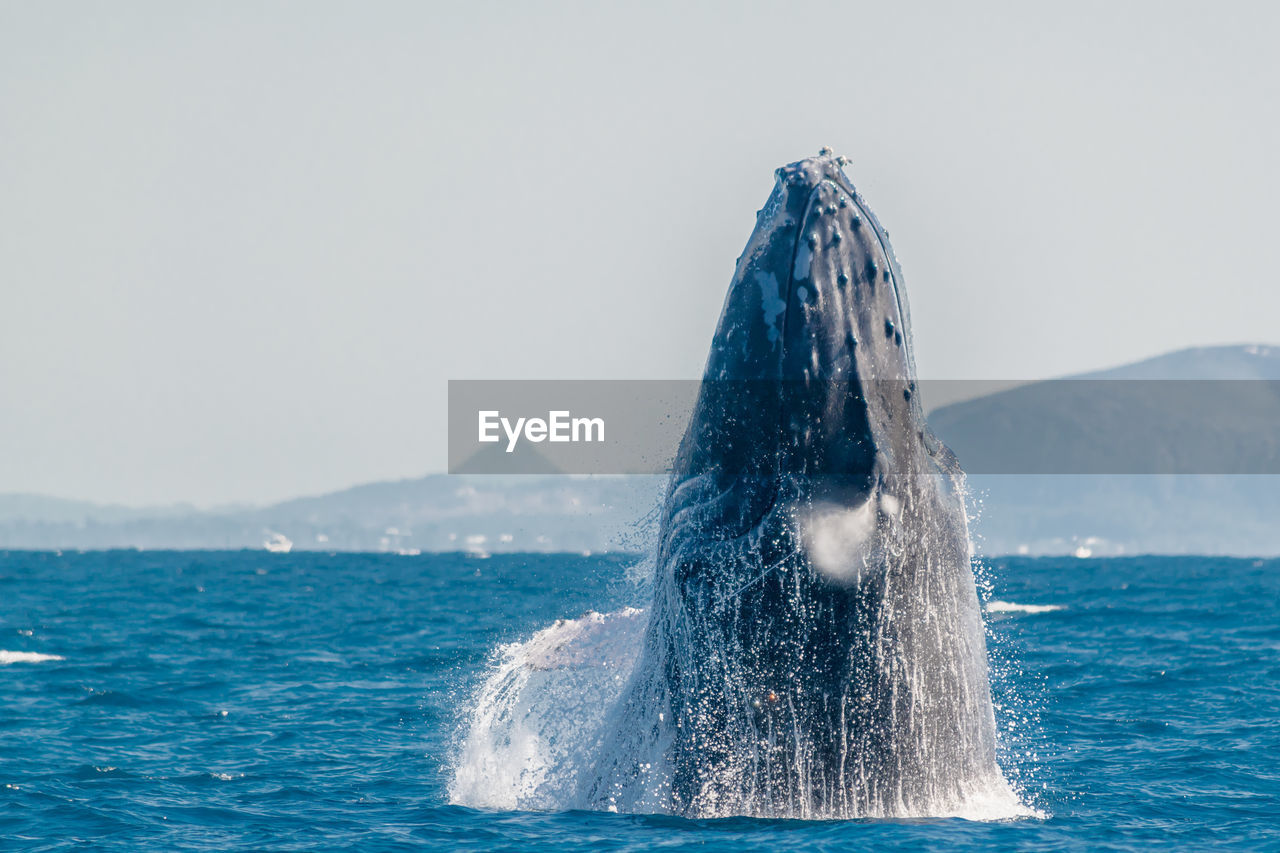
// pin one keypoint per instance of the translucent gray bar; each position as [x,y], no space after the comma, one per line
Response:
[1069,426]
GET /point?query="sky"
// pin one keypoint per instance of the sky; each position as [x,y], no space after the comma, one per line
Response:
[244,246]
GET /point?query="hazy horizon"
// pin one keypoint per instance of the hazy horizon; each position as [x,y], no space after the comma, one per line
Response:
[935,394]
[244,247]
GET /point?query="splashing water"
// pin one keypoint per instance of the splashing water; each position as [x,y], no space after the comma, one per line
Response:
[557,714]
[537,714]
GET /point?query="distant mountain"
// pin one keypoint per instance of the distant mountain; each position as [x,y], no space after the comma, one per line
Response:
[1014,513]
[435,513]
[42,508]
[1108,513]
[1244,361]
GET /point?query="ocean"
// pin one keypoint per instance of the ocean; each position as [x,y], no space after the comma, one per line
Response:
[311,701]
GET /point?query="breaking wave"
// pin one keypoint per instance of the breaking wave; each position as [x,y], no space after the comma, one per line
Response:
[8,657]
[998,606]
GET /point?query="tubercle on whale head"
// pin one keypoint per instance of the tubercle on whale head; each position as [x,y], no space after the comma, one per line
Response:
[846,342]
[814,210]
[816,308]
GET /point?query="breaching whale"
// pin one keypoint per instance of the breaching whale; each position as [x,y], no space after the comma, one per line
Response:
[815,646]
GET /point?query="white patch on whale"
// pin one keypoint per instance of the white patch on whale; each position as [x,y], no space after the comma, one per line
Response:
[771,303]
[839,540]
[804,259]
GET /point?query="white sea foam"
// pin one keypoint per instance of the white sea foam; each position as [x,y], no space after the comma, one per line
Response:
[7,657]
[998,606]
[534,721]
[534,729]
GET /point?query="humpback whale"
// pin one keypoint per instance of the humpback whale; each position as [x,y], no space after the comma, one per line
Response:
[815,646]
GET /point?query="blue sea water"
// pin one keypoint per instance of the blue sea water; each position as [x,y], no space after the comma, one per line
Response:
[310,701]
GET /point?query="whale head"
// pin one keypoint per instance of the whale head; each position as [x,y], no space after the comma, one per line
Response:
[809,398]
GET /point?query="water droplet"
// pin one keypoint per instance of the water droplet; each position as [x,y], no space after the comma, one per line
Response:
[842,279]
[831,209]
[871,269]
[843,202]
[897,339]
[813,240]
[888,328]
[835,237]
[886,273]
[906,393]
[856,222]
[824,151]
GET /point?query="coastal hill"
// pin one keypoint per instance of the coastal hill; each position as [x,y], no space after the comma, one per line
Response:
[480,514]
[1118,430]
[1109,513]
